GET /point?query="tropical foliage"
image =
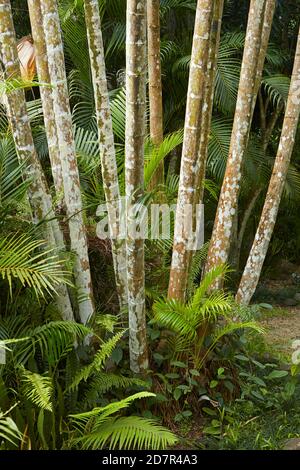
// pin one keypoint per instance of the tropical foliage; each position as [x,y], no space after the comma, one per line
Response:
[117,343]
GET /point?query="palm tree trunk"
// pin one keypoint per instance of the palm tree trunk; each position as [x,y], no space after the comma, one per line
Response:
[155,84]
[265,37]
[258,31]
[266,129]
[265,229]
[136,65]
[38,37]
[209,96]
[67,155]
[191,145]
[38,192]
[106,144]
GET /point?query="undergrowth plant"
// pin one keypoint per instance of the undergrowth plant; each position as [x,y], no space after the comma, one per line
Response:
[50,399]
[191,332]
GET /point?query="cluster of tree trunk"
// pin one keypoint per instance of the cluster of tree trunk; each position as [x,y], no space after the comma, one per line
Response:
[143,29]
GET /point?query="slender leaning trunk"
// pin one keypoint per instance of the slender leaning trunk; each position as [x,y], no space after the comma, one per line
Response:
[38,192]
[136,65]
[265,229]
[223,227]
[236,241]
[67,154]
[106,144]
[265,37]
[209,96]
[191,147]
[155,84]
[36,21]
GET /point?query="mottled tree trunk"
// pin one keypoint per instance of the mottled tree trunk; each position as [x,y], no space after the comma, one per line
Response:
[38,36]
[106,143]
[136,67]
[155,84]
[266,129]
[270,210]
[265,37]
[258,31]
[191,147]
[67,156]
[38,192]
[209,96]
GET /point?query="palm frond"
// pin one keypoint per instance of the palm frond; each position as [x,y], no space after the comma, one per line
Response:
[167,5]
[196,266]
[155,155]
[12,187]
[35,112]
[175,316]
[234,326]
[277,88]
[118,112]
[11,84]
[291,190]
[208,280]
[9,431]
[51,340]
[218,146]
[40,270]
[217,305]
[117,39]
[87,149]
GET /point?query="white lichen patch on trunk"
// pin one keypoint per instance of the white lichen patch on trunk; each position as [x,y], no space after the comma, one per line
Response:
[38,193]
[136,66]
[67,155]
[226,212]
[106,145]
[267,222]
[191,146]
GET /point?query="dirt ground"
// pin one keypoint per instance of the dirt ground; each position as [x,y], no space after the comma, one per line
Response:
[282,329]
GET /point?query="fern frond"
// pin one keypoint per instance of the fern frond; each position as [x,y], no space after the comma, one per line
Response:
[100,357]
[130,432]
[101,413]
[37,389]
[104,381]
